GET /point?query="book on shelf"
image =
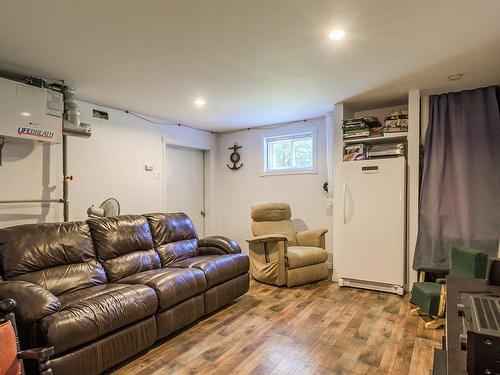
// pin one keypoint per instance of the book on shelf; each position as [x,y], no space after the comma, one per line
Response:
[356,133]
[396,123]
[362,122]
[362,127]
[355,152]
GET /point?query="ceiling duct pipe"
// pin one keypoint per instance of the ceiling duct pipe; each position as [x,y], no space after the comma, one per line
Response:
[72,124]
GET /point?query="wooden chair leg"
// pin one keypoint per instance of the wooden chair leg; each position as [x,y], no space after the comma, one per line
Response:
[442,301]
[435,323]
[416,311]
[421,276]
[439,321]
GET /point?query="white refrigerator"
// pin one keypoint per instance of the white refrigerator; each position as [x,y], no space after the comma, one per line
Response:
[371,250]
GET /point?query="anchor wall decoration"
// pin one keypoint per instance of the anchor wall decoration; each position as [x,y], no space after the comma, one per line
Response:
[235,157]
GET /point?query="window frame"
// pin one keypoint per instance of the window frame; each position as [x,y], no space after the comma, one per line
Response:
[284,134]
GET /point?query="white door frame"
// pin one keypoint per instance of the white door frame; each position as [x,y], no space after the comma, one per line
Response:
[208,161]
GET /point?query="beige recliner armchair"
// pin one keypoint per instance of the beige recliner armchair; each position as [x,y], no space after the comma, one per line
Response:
[281,256]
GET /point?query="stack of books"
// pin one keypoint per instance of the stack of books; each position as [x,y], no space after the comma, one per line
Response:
[355,152]
[396,122]
[361,127]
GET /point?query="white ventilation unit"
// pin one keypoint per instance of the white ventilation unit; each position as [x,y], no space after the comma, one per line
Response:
[30,113]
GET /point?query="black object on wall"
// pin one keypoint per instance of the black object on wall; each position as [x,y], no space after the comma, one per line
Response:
[493,275]
[325,186]
[235,157]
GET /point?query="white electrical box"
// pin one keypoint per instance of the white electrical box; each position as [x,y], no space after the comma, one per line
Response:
[30,113]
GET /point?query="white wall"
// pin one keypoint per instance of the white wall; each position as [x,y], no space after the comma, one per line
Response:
[111,164]
[108,164]
[237,190]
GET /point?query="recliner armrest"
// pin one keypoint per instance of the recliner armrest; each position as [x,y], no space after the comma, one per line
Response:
[311,237]
[218,245]
[267,238]
[33,301]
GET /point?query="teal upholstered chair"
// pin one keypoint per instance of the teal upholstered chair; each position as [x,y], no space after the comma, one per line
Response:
[430,297]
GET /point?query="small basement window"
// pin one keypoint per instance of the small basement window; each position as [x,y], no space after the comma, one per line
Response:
[290,153]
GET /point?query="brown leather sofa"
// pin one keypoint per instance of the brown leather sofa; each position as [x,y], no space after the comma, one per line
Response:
[103,290]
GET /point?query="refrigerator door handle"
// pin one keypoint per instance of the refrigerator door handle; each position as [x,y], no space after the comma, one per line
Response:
[345,197]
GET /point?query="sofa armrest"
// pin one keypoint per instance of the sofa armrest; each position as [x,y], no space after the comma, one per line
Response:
[218,245]
[33,302]
[267,238]
[314,238]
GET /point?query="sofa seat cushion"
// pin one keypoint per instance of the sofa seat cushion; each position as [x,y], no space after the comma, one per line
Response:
[172,285]
[87,314]
[217,268]
[302,256]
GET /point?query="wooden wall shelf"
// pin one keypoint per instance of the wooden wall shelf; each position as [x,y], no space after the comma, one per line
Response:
[381,139]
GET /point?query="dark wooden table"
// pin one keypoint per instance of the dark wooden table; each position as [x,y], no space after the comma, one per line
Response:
[456,359]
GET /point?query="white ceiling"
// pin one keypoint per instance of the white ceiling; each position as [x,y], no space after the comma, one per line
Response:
[255,62]
[480,67]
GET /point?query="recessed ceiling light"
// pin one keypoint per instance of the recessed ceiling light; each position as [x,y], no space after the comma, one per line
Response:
[337,34]
[456,77]
[199,103]
[25,114]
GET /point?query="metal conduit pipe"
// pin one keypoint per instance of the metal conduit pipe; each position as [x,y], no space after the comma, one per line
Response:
[32,201]
[66,178]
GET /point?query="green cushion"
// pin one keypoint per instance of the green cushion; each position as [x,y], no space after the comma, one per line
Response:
[426,296]
[468,263]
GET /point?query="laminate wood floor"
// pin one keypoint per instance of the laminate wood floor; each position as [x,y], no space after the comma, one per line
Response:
[313,329]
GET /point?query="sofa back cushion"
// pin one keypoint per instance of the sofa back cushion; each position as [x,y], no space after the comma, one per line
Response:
[124,245]
[59,257]
[174,236]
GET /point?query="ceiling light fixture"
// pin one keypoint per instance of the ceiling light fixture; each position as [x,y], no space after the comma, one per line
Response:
[199,103]
[25,114]
[337,34]
[456,77]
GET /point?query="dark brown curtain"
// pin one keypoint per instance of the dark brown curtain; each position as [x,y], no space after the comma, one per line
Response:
[460,191]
